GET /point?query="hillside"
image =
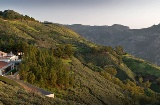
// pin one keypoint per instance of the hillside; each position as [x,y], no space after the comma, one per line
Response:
[13,95]
[76,70]
[143,43]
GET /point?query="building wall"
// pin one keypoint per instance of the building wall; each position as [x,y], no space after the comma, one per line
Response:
[2,54]
[8,58]
[14,58]
[7,68]
[5,60]
[0,72]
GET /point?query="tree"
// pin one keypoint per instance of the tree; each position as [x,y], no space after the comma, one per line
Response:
[31,78]
[119,50]
[111,71]
[26,17]
[69,50]
[106,75]
[58,52]
[23,75]
[43,68]
[23,71]
[140,80]
[41,80]
[147,84]
[52,77]
[158,81]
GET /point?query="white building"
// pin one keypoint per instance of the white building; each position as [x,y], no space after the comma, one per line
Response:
[5,67]
[2,54]
[7,62]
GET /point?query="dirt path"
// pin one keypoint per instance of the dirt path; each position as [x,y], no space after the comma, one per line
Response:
[30,87]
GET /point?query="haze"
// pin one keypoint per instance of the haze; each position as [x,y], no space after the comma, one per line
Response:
[133,13]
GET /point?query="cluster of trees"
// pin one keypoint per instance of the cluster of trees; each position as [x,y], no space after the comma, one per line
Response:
[145,84]
[111,71]
[139,93]
[63,51]
[117,52]
[44,69]
[12,45]
[12,15]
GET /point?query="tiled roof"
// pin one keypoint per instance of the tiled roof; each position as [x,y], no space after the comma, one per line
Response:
[3,64]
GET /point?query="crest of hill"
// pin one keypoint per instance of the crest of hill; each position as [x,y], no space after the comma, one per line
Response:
[34,32]
[12,15]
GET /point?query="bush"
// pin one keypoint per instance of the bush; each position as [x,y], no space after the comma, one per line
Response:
[111,71]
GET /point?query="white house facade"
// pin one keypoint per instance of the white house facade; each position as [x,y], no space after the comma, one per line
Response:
[7,62]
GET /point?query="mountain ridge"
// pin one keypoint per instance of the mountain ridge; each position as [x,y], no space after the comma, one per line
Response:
[143,43]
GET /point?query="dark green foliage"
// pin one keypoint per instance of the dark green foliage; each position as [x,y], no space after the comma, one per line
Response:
[158,81]
[155,87]
[146,72]
[12,15]
[43,69]
[141,67]
[63,51]
[122,75]
[100,56]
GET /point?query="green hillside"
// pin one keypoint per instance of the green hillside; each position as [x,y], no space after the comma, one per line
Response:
[145,70]
[142,43]
[13,95]
[75,70]
[140,66]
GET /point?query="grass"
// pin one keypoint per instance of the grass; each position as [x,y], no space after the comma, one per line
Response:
[66,61]
[141,66]
[9,81]
[91,88]
[13,95]
[22,24]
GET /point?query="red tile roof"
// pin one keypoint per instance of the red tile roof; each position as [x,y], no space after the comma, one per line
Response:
[3,64]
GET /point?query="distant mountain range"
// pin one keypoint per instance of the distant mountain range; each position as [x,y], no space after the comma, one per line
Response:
[143,43]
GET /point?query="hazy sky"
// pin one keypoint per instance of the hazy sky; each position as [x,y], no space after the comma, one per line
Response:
[132,13]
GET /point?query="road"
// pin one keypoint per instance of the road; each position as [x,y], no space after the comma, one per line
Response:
[29,87]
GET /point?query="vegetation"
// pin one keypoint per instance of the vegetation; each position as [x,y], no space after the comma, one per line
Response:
[8,81]
[145,72]
[141,43]
[12,15]
[77,71]
[13,95]
[140,66]
[44,68]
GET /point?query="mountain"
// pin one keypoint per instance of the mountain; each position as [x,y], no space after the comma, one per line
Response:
[76,70]
[143,43]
